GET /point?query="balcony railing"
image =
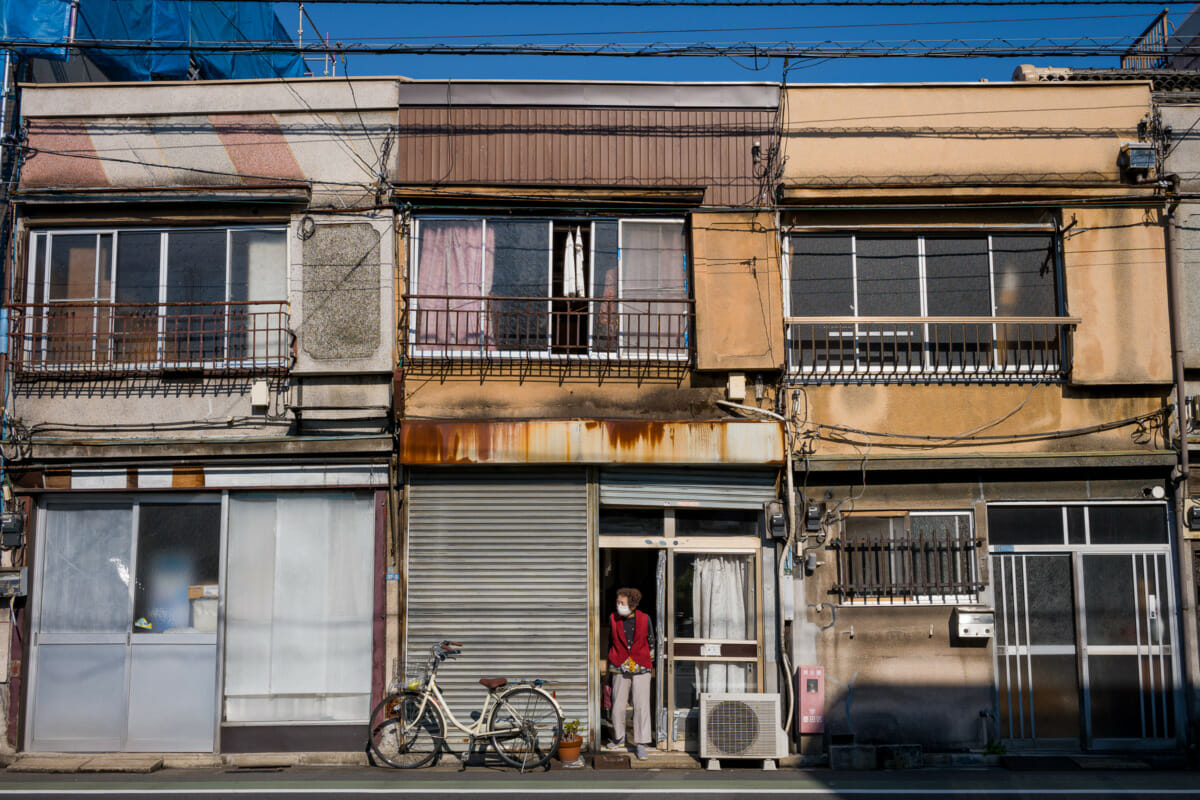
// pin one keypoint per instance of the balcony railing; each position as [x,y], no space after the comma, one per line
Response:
[444,330]
[95,338]
[956,349]
[936,565]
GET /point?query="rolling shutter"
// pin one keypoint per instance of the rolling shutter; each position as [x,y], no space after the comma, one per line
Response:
[687,488]
[497,559]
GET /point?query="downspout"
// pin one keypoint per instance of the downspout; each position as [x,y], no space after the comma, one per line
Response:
[1187,588]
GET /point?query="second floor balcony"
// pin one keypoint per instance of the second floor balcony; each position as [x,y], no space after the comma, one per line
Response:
[541,332]
[547,295]
[93,339]
[961,349]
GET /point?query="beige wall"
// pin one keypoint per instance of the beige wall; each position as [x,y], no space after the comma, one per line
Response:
[964,134]
[1115,270]
[739,306]
[950,410]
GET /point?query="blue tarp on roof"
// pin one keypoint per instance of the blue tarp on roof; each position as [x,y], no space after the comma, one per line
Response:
[188,23]
[40,21]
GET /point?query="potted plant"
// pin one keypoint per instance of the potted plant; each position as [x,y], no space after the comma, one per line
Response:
[571,742]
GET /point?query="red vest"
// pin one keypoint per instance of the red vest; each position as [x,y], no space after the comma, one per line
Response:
[620,649]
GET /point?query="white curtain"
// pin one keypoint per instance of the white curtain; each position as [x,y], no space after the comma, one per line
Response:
[299,594]
[724,609]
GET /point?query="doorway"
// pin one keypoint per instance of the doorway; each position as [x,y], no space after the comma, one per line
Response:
[1085,628]
[699,574]
[125,626]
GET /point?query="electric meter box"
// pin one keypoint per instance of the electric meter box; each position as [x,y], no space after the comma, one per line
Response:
[1137,156]
[974,623]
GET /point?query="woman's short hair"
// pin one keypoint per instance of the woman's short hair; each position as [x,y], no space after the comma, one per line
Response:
[634,596]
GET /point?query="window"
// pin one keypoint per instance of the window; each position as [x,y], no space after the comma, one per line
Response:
[298,637]
[955,303]
[1055,526]
[187,297]
[611,288]
[907,557]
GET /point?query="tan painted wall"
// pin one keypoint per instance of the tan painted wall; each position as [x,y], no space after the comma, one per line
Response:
[965,134]
[549,397]
[1115,270]
[950,410]
[738,286]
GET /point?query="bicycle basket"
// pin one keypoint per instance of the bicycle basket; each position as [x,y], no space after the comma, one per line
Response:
[415,678]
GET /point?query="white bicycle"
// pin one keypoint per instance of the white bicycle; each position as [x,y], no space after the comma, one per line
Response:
[521,719]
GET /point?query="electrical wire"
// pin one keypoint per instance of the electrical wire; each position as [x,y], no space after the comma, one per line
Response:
[1045,47]
[787,3]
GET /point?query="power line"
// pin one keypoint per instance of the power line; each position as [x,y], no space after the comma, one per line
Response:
[742,3]
[1081,47]
[854,25]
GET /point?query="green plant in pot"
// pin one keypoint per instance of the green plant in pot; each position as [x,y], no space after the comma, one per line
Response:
[571,742]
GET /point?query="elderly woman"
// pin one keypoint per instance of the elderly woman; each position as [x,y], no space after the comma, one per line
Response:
[631,662]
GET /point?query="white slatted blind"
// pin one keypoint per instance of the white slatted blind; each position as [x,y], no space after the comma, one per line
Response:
[497,559]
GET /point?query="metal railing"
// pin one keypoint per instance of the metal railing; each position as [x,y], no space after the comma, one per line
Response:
[573,329]
[99,338]
[903,568]
[1149,50]
[984,349]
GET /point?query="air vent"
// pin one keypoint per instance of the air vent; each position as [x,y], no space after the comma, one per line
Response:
[742,726]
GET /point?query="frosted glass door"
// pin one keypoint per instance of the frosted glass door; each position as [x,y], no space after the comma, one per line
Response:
[82,629]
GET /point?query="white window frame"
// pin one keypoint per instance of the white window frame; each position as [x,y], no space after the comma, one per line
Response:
[544,352]
[921,599]
[927,366]
[36,342]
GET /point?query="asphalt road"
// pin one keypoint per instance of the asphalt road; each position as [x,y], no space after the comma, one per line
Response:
[352,783]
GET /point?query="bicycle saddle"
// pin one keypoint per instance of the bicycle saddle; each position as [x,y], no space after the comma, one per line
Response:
[493,683]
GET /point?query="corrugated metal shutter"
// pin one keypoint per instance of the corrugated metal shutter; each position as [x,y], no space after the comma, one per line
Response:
[687,488]
[497,559]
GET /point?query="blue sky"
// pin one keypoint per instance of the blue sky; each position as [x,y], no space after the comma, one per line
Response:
[385,24]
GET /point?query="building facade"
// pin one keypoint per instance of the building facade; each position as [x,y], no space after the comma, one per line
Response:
[308,375]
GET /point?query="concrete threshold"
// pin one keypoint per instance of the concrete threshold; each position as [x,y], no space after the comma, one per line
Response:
[151,762]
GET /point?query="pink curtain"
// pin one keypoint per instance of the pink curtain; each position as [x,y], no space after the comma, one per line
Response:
[454,264]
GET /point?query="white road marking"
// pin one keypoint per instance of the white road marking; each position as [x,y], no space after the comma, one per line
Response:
[428,789]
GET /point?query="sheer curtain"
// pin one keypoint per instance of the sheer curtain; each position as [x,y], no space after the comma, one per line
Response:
[299,592]
[723,606]
[454,263]
[653,267]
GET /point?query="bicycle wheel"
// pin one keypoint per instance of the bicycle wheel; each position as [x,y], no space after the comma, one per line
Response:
[525,726]
[403,734]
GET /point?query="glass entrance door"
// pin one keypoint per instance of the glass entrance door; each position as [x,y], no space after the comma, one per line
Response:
[1036,657]
[699,574]
[124,627]
[1084,650]
[1127,643]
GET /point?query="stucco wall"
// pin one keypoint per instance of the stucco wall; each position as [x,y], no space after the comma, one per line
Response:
[965,134]
[979,411]
[1183,159]
[739,307]
[1115,275]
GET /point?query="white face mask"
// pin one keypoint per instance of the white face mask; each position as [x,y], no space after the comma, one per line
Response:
[623,610]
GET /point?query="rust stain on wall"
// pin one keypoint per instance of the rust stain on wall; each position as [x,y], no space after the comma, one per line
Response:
[188,476]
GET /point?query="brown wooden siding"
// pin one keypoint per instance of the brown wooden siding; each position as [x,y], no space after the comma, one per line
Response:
[620,147]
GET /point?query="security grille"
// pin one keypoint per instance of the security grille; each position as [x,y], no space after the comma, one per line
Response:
[497,559]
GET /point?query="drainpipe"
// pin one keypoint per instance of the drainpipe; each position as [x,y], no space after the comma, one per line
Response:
[1187,584]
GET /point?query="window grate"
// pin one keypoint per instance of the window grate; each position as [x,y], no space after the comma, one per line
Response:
[887,565]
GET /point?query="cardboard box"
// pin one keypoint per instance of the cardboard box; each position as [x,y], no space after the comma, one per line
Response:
[202,590]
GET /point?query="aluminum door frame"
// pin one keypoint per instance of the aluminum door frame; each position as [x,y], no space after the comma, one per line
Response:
[670,544]
[133,501]
[1077,551]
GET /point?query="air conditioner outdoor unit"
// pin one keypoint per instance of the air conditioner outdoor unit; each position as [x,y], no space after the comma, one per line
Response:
[741,726]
